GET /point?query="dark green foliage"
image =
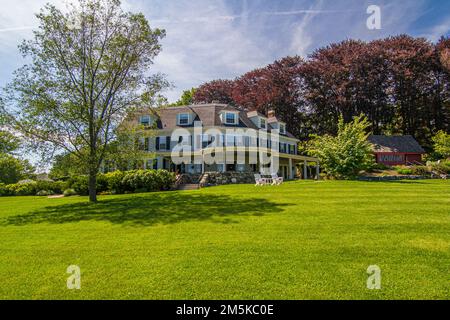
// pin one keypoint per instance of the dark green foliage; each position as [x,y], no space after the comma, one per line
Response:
[87,67]
[442,144]
[69,193]
[129,181]
[420,170]
[380,166]
[404,171]
[151,180]
[187,98]
[346,154]
[44,193]
[13,169]
[80,184]
[53,186]
[32,188]
[443,167]
[112,182]
[114,179]
[8,142]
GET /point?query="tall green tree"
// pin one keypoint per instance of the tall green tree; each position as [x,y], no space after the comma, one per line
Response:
[67,165]
[346,154]
[187,98]
[8,142]
[89,67]
[131,146]
[13,169]
[442,144]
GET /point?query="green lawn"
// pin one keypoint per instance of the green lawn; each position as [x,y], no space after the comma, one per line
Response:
[302,240]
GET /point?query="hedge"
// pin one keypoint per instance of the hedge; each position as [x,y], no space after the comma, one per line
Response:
[32,188]
[112,182]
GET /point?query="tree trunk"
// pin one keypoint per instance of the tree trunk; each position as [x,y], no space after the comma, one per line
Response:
[92,185]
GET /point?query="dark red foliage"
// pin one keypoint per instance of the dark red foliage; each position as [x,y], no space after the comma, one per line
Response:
[215,91]
[400,83]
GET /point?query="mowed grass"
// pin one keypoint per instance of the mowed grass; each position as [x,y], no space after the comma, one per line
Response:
[302,240]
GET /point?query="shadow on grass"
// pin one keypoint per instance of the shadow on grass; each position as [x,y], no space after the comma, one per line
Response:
[396,181]
[149,209]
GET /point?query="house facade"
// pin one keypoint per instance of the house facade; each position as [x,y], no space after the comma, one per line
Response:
[235,139]
[396,150]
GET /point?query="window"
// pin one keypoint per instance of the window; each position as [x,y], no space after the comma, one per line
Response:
[230,140]
[262,123]
[282,128]
[231,167]
[239,141]
[206,141]
[183,118]
[144,120]
[292,149]
[152,164]
[230,118]
[164,143]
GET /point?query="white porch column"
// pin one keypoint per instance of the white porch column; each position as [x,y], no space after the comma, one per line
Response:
[291,174]
[160,162]
[203,163]
[305,169]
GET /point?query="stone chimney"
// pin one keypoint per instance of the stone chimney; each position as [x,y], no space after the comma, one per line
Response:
[271,113]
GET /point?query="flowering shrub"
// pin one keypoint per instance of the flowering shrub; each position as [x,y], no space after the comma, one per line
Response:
[113,182]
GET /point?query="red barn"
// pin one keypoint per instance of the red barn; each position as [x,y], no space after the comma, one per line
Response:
[396,150]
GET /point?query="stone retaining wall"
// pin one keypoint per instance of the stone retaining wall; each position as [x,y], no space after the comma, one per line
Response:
[394,178]
[219,178]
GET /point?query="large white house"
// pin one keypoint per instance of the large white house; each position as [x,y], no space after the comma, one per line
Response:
[229,129]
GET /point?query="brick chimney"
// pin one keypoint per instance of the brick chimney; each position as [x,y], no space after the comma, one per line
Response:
[271,113]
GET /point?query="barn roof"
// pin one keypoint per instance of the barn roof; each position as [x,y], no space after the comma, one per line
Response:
[403,144]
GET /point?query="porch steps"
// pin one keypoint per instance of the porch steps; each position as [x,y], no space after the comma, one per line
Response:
[189,186]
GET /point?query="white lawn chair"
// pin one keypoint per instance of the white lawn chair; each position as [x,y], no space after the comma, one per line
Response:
[276,180]
[259,181]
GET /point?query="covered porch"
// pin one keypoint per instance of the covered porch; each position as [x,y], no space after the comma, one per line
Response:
[290,166]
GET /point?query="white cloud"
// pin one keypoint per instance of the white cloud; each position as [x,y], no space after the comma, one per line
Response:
[438,31]
[205,41]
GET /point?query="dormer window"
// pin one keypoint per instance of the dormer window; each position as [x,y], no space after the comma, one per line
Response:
[230,118]
[144,120]
[282,128]
[183,119]
[262,123]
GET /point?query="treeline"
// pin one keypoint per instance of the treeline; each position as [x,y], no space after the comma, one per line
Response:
[400,83]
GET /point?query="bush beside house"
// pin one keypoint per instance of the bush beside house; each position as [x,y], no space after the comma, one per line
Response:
[347,154]
[114,182]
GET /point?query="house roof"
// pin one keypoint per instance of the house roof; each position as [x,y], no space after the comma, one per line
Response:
[255,113]
[209,115]
[402,144]
[273,120]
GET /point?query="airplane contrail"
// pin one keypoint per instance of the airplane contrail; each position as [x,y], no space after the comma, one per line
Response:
[249,15]
[16,29]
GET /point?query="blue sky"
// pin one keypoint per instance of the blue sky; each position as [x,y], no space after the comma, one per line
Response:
[210,39]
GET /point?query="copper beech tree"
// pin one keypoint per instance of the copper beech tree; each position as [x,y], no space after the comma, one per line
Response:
[401,84]
[88,68]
